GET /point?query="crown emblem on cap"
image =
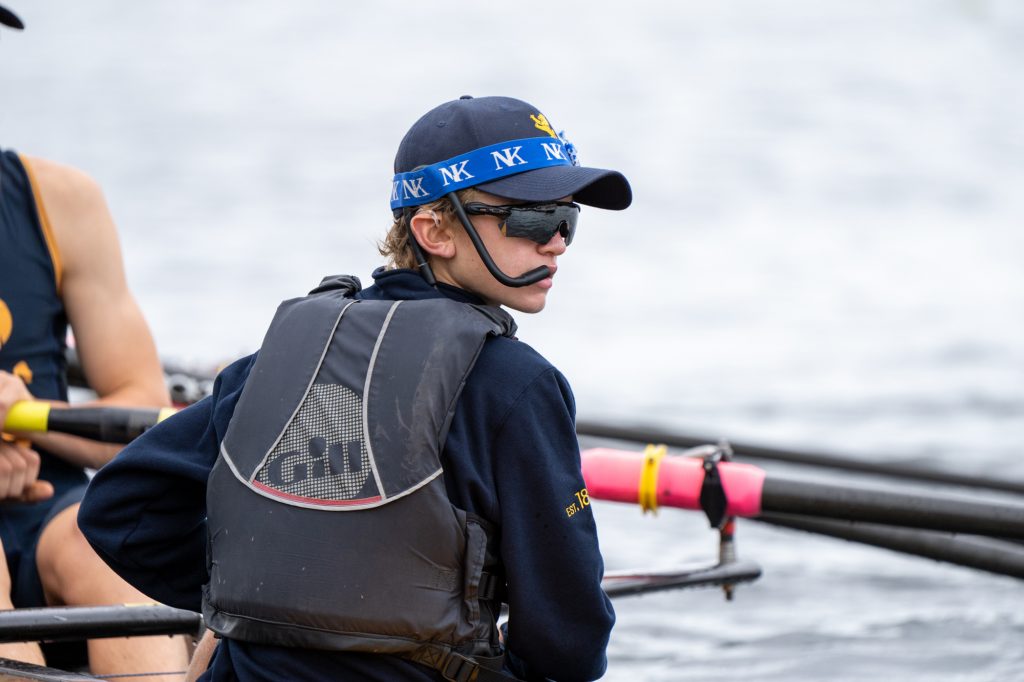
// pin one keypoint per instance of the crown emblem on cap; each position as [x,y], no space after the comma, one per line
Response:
[540,122]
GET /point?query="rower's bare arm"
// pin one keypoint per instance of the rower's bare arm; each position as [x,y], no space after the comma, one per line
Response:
[117,351]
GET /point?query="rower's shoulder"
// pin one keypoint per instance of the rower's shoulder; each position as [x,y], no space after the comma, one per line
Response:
[231,378]
[512,351]
[511,365]
[76,211]
[63,182]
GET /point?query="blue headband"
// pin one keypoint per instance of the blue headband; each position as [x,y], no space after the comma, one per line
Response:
[430,183]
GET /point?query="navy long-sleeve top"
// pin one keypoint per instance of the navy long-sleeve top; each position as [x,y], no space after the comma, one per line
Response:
[511,457]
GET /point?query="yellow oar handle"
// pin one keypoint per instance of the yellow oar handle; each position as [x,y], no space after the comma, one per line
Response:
[27,415]
[107,424]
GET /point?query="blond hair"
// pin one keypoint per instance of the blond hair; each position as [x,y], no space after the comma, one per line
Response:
[395,245]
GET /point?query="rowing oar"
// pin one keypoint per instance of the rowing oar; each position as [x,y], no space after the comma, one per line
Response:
[819,459]
[106,424]
[627,583]
[746,490]
[1002,558]
[68,623]
[19,671]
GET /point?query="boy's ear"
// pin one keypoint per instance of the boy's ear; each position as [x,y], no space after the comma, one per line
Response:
[434,235]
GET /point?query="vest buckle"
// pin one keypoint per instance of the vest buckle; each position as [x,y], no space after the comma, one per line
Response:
[492,586]
[459,668]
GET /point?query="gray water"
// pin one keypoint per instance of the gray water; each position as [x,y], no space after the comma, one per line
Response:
[825,249]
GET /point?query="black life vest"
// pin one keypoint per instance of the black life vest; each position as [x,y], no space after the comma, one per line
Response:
[329,523]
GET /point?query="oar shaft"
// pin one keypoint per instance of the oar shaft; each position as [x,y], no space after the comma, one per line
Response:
[625,583]
[987,555]
[92,622]
[891,508]
[106,424]
[818,459]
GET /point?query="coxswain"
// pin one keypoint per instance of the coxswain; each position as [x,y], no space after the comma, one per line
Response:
[357,499]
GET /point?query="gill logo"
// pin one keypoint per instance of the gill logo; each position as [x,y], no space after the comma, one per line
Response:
[540,122]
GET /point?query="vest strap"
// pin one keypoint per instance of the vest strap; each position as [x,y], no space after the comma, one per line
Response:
[492,586]
[456,667]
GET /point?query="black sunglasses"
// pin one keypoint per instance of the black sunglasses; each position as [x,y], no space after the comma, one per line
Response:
[536,222]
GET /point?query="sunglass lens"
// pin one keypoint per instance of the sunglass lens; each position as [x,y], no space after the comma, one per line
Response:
[567,230]
[540,223]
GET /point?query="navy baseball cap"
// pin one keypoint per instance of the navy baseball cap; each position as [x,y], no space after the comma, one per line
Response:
[9,18]
[502,146]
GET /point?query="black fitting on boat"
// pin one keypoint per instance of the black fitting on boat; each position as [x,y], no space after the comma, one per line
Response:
[712,495]
[714,502]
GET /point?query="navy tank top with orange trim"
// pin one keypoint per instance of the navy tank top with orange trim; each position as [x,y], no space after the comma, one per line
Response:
[33,322]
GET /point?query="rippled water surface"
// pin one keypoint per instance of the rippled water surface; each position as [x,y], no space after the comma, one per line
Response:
[825,250]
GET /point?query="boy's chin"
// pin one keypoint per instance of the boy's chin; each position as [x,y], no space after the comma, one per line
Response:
[529,307]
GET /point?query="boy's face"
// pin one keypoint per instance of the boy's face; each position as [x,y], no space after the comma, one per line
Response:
[512,255]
